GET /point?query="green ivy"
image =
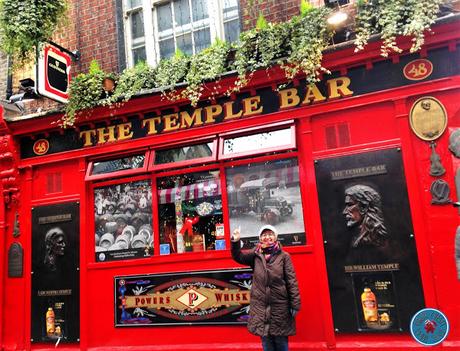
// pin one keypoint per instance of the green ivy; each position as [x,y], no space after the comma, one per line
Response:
[207,65]
[297,46]
[85,92]
[25,24]
[132,81]
[170,72]
[309,37]
[393,18]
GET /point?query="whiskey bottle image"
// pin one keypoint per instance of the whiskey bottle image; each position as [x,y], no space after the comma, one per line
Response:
[50,324]
[369,304]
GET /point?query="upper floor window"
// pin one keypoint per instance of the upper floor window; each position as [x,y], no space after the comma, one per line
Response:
[155,29]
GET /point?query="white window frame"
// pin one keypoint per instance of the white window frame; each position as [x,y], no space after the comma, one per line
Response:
[152,48]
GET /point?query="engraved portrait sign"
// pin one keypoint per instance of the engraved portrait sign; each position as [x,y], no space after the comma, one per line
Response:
[369,243]
[55,273]
[428,118]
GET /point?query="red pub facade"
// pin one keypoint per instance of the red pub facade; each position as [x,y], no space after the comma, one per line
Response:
[144,198]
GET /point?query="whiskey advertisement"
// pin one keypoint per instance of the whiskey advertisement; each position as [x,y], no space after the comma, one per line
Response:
[369,242]
[208,297]
[55,273]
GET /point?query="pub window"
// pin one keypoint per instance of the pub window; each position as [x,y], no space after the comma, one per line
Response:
[256,143]
[123,220]
[190,212]
[266,192]
[122,165]
[184,155]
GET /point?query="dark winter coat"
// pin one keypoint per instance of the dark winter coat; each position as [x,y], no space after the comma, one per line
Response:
[274,292]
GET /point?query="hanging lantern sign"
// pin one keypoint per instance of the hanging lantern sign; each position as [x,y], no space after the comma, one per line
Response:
[53,73]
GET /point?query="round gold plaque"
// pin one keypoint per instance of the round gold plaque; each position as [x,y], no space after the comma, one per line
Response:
[428,118]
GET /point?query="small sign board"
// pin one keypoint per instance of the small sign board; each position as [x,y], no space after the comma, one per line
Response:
[429,327]
[53,73]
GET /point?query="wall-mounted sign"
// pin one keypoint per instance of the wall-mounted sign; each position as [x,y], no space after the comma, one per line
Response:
[418,69]
[370,250]
[15,260]
[384,75]
[428,118]
[429,327]
[208,297]
[55,273]
[53,73]
[41,147]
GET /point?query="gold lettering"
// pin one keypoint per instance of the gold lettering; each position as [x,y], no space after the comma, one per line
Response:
[228,106]
[105,135]
[187,121]
[171,122]
[313,95]
[151,125]
[288,98]
[87,134]
[251,106]
[338,87]
[211,112]
[124,131]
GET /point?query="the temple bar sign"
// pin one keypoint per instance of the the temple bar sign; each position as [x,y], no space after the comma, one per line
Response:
[53,73]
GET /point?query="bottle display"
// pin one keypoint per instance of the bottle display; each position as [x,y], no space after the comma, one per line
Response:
[50,322]
[369,304]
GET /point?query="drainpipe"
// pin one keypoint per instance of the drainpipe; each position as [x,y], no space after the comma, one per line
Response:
[3,252]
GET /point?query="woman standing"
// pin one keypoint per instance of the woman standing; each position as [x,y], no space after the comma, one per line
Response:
[275,298]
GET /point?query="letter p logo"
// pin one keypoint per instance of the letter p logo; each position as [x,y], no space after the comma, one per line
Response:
[192,297]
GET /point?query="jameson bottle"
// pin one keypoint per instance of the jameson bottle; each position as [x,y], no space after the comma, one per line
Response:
[50,326]
[369,303]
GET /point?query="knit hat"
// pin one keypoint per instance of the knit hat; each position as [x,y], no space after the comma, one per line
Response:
[268,227]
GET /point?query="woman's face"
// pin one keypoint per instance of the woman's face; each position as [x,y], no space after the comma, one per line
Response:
[267,237]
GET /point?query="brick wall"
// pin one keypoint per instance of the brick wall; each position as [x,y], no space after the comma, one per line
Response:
[272,10]
[91,29]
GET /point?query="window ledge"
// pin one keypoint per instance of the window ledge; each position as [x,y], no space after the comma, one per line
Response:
[180,258]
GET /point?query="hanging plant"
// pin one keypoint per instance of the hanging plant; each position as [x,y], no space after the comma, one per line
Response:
[207,65]
[25,24]
[170,72]
[310,35]
[85,92]
[392,18]
[132,81]
[259,48]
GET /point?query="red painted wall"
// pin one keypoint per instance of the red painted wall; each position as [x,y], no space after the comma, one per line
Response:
[373,121]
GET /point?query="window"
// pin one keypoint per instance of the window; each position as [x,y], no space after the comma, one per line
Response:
[266,193]
[190,213]
[155,29]
[135,30]
[123,165]
[257,143]
[123,220]
[185,155]
[190,195]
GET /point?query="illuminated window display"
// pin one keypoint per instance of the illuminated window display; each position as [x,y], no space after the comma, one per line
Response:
[190,212]
[123,221]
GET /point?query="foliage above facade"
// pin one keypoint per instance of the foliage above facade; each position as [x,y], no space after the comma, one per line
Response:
[392,18]
[25,24]
[296,46]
